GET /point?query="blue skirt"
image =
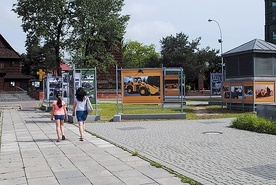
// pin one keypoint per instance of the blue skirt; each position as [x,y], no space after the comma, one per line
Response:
[81,115]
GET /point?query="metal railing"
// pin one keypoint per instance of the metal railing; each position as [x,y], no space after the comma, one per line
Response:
[19,89]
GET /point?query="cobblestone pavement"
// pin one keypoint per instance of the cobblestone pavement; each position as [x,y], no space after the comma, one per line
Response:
[207,151]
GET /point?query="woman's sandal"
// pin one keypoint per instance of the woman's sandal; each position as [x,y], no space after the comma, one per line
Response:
[81,139]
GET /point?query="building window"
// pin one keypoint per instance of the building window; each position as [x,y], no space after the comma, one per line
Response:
[273,35]
[12,83]
[2,65]
[264,65]
[273,16]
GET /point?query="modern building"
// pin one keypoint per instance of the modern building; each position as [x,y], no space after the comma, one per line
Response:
[270,21]
[250,75]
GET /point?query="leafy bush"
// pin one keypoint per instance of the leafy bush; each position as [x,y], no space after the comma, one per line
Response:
[255,124]
[188,88]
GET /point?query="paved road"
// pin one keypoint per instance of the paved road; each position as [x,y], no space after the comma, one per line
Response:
[206,150]
[30,155]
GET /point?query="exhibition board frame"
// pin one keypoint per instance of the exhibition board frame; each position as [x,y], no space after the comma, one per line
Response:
[216,80]
[87,79]
[147,86]
[68,83]
[247,94]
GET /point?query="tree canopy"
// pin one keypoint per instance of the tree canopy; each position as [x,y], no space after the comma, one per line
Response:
[137,55]
[97,29]
[88,29]
[45,22]
[178,51]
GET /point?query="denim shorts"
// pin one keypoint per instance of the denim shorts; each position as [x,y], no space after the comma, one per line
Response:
[81,115]
[61,117]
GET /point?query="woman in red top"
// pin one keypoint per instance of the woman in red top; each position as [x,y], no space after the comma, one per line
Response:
[60,114]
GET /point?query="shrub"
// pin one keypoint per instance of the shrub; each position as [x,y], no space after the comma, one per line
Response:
[188,88]
[255,124]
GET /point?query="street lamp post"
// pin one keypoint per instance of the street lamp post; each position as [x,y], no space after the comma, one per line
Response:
[220,41]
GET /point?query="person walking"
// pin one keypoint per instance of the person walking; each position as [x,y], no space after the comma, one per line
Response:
[80,110]
[59,112]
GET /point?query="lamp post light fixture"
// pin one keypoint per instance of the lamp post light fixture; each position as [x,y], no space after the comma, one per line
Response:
[220,41]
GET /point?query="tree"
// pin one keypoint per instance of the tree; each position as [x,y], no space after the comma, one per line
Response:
[210,62]
[137,55]
[44,21]
[38,57]
[29,63]
[177,51]
[97,29]
[90,29]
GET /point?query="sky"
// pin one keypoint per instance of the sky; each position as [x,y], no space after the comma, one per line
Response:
[151,20]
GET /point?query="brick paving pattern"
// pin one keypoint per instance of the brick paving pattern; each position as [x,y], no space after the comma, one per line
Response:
[206,150]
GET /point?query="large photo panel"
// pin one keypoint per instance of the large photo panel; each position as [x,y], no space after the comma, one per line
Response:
[248,92]
[216,81]
[142,86]
[236,92]
[225,91]
[54,86]
[172,85]
[264,92]
[88,83]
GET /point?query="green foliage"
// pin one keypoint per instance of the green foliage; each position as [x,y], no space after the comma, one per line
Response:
[178,51]
[137,55]
[156,164]
[44,22]
[38,57]
[188,88]
[97,28]
[108,110]
[135,153]
[209,62]
[255,124]
[89,29]
[187,180]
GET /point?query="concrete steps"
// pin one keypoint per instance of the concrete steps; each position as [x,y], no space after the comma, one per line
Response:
[14,96]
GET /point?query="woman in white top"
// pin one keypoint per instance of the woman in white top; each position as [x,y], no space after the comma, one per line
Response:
[79,108]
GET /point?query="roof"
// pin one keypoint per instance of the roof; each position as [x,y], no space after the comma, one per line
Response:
[65,67]
[17,76]
[6,51]
[255,45]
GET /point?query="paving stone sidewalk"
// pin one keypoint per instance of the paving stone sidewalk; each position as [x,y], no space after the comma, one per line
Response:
[30,155]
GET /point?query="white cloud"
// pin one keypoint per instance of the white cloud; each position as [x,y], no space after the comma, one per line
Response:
[140,11]
[149,32]
[11,27]
[240,21]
